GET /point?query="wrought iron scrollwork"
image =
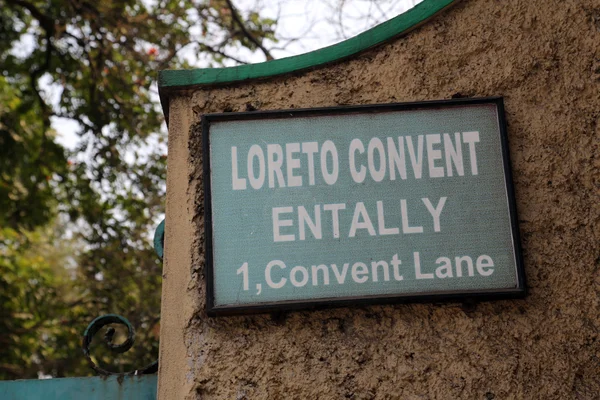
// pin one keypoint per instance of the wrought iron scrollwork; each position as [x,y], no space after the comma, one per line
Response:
[97,324]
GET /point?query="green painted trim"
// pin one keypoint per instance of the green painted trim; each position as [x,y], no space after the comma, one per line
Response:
[159,239]
[368,39]
[143,387]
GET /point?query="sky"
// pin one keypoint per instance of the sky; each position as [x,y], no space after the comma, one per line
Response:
[303,26]
[320,23]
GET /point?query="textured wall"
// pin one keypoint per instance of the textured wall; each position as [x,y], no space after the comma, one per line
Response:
[543,56]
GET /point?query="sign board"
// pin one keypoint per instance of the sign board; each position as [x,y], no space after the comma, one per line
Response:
[358,205]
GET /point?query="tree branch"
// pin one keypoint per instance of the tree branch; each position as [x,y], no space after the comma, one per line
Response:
[33,81]
[221,53]
[45,21]
[246,32]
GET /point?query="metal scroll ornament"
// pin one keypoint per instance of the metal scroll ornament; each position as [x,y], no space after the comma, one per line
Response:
[96,325]
[100,323]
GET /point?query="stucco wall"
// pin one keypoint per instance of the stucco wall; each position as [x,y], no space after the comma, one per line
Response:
[543,56]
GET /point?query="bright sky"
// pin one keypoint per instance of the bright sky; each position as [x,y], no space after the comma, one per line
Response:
[312,23]
[320,23]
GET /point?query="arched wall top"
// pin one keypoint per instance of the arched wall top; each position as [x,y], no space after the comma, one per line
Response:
[179,79]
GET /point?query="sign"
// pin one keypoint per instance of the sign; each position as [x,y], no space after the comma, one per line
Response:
[356,205]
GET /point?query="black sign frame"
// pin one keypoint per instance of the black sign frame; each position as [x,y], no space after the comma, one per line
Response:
[519,292]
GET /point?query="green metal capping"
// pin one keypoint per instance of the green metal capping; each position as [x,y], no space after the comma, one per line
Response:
[399,25]
[159,239]
[142,387]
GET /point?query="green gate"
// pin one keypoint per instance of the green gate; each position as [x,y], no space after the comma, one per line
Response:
[142,387]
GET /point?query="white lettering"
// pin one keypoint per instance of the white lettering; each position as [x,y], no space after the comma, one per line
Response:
[444,270]
[340,277]
[358,271]
[304,218]
[277,223]
[256,152]
[396,158]
[435,212]
[459,260]
[381,222]
[294,272]
[433,155]
[471,138]
[324,270]
[486,262]
[385,268]
[357,176]
[376,173]
[292,164]
[274,164]
[237,183]
[329,148]
[418,273]
[335,220]
[453,154]
[310,148]
[406,228]
[361,212]
[416,158]
[395,264]
[282,281]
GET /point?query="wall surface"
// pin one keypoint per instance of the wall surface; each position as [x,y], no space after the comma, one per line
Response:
[543,56]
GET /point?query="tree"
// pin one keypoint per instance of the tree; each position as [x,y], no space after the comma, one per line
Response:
[75,226]
[92,209]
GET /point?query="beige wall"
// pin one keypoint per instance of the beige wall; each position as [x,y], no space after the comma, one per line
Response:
[543,56]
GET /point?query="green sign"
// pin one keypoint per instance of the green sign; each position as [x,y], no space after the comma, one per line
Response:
[354,205]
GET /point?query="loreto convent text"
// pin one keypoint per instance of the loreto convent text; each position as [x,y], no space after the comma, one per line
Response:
[276,166]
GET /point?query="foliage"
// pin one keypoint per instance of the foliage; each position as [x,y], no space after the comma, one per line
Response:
[37,299]
[75,225]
